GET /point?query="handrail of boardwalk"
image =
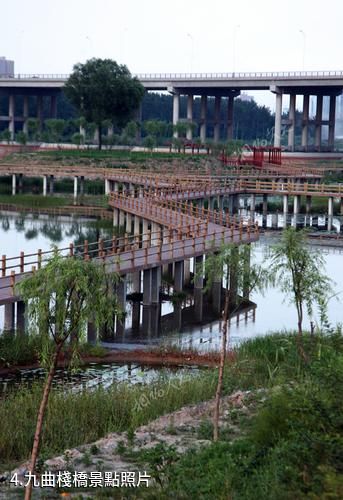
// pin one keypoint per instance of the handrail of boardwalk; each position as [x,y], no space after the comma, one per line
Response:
[292,187]
[124,255]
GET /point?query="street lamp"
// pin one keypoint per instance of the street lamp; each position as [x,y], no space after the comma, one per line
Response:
[304,46]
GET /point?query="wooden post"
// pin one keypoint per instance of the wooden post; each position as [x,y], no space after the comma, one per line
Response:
[71,250]
[39,258]
[85,249]
[3,265]
[22,263]
[12,281]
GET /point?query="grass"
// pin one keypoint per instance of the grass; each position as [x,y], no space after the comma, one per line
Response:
[293,446]
[36,201]
[89,415]
[268,362]
[112,154]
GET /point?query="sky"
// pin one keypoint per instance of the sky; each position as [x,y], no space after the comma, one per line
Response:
[179,36]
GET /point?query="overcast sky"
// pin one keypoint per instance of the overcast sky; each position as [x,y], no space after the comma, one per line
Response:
[153,36]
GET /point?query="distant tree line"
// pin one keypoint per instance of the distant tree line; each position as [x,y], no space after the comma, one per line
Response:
[251,121]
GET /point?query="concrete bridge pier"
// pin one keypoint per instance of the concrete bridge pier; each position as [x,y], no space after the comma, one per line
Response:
[45,185]
[145,233]
[187,271]
[115,217]
[216,132]
[128,224]
[291,118]
[178,287]
[136,226]
[151,300]
[220,203]
[121,218]
[9,316]
[230,104]
[25,113]
[308,204]
[252,206]
[21,317]
[318,128]
[136,306]
[176,111]
[51,184]
[179,276]
[285,209]
[121,288]
[14,184]
[203,118]
[265,205]
[278,116]
[232,203]
[332,121]
[305,122]
[189,133]
[11,113]
[108,187]
[198,287]
[330,212]
[75,189]
[147,296]
[296,208]
[20,183]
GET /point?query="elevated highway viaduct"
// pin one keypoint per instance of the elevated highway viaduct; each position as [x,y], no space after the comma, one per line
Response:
[224,87]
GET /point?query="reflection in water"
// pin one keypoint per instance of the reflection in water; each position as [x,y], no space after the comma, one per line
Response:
[273,313]
[95,375]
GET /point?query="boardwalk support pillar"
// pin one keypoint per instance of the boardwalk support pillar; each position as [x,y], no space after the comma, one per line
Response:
[21,317]
[121,298]
[198,287]
[9,317]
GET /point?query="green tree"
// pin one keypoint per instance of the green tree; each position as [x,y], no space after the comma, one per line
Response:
[299,273]
[33,129]
[6,135]
[61,297]
[55,128]
[102,90]
[21,137]
[231,265]
[77,139]
[149,142]
[181,128]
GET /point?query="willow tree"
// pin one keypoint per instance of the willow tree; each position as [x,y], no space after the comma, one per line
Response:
[61,298]
[231,266]
[299,272]
[101,89]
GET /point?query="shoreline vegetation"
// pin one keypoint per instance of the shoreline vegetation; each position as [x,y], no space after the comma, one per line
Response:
[289,446]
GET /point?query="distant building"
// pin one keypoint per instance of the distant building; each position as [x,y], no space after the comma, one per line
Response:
[6,67]
[245,97]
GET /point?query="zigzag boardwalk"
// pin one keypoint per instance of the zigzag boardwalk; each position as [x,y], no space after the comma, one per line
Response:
[164,230]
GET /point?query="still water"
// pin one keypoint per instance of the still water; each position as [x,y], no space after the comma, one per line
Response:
[28,233]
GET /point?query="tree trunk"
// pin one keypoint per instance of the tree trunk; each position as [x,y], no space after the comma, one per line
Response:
[300,333]
[221,367]
[40,419]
